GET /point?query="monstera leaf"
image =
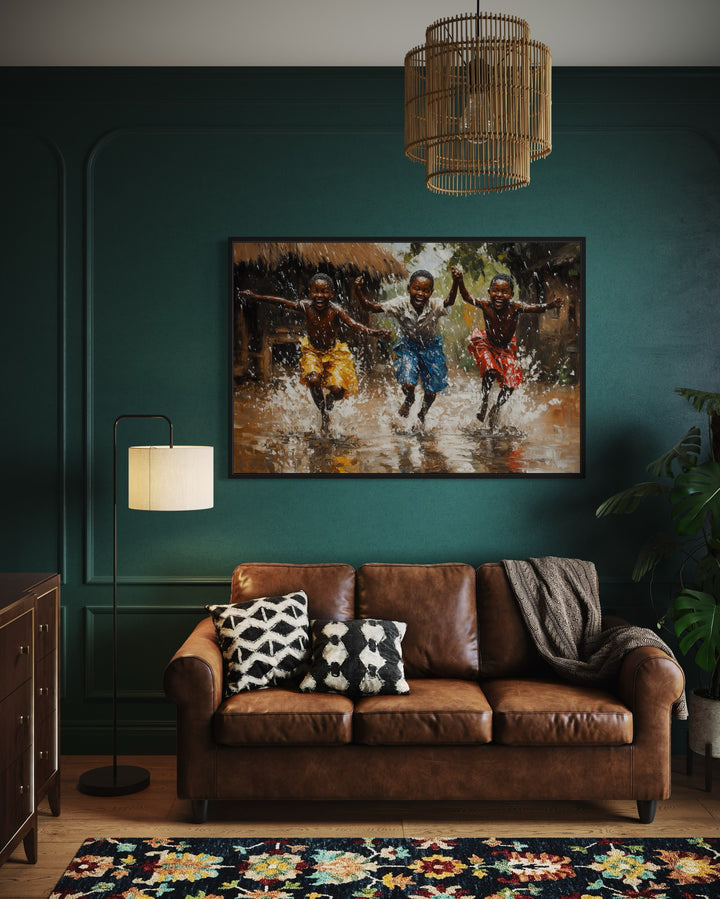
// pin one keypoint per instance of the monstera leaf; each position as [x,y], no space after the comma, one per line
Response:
[697,618]
[701,400]
[628,500]
[685,452]
[658,547]
[695,495]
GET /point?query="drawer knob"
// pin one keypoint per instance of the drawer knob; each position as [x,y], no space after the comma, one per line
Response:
[44,628]
[44,691]
[24,650]
[24,719]
[44,754]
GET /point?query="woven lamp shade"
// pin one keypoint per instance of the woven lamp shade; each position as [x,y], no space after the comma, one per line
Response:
[415,114]
[477,104]
[540,103]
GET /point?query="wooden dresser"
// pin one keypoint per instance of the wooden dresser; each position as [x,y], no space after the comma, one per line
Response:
[29,706]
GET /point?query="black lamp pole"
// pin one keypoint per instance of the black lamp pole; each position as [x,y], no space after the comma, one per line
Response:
[117,780]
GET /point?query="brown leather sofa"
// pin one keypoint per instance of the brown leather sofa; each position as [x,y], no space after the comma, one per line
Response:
[484,719]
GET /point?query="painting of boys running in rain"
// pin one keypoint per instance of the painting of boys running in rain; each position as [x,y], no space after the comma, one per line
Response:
[407,358]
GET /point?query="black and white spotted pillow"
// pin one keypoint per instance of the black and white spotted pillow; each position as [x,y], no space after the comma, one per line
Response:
[265,642]
[357,658]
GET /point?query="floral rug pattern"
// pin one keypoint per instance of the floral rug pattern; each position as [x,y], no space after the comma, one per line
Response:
[397,868]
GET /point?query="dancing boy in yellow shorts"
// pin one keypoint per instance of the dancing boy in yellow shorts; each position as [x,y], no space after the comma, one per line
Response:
[326,364]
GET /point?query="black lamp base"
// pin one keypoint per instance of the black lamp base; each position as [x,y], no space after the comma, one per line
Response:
[114,780]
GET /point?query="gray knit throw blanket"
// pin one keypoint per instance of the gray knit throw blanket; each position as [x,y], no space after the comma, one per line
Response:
[559,601]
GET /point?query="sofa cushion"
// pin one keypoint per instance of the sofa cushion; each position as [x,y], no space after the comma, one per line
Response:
[436,711]
[358,658]
[548,712]
[506,648]
[330,588]
[279,717]
[263,641]
[438,603]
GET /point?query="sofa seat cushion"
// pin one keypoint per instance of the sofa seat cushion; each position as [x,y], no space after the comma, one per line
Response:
[436,711]
[549,712]
[279,717]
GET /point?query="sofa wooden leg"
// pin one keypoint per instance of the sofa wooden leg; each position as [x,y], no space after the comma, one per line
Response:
[646,810]
[199,810]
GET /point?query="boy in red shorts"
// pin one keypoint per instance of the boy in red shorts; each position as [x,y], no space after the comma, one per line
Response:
[495,348]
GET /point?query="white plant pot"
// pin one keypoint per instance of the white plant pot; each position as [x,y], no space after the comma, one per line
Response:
[704,723]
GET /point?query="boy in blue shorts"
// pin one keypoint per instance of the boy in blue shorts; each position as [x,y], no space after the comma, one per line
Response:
[419,352]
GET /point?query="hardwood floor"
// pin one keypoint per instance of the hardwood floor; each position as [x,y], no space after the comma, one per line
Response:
[157,812]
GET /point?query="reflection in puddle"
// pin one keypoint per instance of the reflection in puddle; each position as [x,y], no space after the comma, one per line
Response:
[277,431]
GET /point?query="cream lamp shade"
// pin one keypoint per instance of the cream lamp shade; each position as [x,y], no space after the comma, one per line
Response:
[170,478]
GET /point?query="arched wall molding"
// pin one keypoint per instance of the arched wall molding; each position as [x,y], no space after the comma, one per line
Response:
[94,156]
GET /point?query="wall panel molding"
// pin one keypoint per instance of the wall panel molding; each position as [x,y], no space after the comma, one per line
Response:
[83,737]
[61,219]
[64,653]
[92,615]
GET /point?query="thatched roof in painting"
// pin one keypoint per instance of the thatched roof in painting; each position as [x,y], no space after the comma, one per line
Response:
[372,259]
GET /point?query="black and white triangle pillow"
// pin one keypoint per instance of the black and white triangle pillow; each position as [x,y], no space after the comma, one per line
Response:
[265,642]
[359,658]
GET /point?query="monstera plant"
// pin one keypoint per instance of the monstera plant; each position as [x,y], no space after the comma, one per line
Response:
[690,480]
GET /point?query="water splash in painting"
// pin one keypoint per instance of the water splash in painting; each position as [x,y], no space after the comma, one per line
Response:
[278,431]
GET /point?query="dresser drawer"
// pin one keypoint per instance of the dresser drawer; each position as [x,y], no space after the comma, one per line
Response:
[16,638]
[46,753]
[46,722]
[46,622]
[45,684]
[15,724]
[18,800]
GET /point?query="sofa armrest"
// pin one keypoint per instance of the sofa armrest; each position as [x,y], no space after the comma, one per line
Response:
[194,682]
[650,681]
[194,676]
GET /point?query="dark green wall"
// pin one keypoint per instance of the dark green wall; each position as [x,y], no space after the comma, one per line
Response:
[119,191]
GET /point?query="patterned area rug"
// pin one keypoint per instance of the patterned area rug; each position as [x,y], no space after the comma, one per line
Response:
[247,868]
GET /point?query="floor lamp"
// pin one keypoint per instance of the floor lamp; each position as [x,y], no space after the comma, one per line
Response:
[160,479]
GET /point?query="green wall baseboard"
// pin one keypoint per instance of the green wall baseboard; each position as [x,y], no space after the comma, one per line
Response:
[142,738]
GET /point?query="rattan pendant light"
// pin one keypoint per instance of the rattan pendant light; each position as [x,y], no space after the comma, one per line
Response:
[477,104]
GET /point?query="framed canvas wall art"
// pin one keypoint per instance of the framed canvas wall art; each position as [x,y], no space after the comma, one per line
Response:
[378,358]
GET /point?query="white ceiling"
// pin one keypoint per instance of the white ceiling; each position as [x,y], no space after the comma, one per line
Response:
[340,32]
